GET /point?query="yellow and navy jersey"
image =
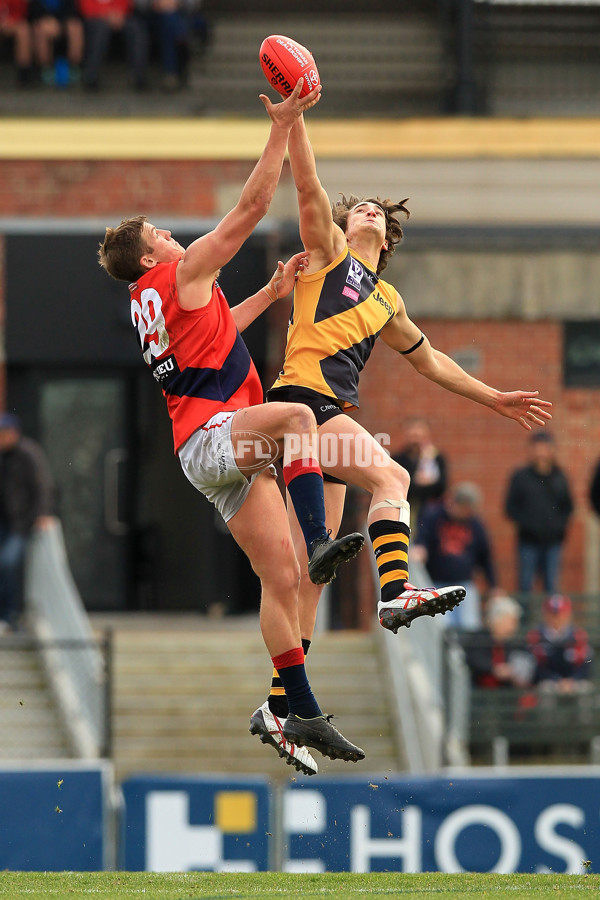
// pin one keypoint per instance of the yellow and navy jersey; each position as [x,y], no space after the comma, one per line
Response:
[337,315]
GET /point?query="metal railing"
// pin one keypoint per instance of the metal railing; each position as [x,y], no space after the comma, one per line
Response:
[76,662]
[431,688]
[556,718]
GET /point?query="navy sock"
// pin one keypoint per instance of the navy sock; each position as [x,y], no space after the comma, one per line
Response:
[304,481]
[277,700]
[301,700]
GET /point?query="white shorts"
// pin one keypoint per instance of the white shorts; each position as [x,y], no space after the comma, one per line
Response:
[208,462]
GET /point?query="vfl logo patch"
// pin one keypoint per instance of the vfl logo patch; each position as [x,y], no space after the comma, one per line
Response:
[164,369]
[350,292]
[355,274]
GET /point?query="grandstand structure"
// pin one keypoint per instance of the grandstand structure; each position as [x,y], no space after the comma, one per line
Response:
[487,116]
[413,58]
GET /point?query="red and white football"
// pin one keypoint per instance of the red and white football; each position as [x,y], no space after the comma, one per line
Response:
[284,61]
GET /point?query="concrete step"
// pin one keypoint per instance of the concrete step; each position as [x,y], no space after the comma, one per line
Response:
[183,700]
[30,724]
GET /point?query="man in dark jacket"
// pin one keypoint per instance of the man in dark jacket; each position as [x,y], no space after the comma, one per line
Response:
[539,502]
[426,466]
[453,542]
[26,496]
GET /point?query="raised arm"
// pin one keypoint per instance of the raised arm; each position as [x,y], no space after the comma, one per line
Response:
[321,237]
[205,256]
[280,285]
[403,335]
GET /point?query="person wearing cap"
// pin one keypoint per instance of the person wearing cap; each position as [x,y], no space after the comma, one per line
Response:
[26,503]
[454,546]
[561,649]
[539,502]
[495,655]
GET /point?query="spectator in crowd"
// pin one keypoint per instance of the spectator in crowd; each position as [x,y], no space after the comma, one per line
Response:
[561,649]
[171,24]
[495,655]
[595,489]
[453,544]
[26,503]
[539,502]
[425,465]
[102,19]
[15,25]
[57,40]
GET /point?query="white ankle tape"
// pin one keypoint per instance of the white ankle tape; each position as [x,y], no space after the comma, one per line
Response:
[402,505]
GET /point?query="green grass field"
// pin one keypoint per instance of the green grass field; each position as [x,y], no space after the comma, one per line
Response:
[343,886]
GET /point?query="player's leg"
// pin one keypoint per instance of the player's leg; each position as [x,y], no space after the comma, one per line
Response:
[261,529]
[309,593]
[351,453]
[261,434]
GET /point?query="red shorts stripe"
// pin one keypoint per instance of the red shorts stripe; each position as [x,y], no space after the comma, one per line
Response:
[293,657]
[300,467]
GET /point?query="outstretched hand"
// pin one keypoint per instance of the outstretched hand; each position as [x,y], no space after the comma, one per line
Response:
[286,112]
[524,407]
[286,274]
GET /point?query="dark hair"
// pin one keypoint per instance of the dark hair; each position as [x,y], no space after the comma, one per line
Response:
[120,252]
[541,437]
[393,229]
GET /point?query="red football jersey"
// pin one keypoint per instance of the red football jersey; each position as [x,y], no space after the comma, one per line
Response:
[197,356]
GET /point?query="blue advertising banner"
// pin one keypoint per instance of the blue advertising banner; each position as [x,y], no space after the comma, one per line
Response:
[183,823]
[450,824]
[53,819]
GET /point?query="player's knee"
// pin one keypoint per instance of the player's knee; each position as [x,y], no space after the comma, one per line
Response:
[400,476]
[301,419]
[393,477]
[282,578]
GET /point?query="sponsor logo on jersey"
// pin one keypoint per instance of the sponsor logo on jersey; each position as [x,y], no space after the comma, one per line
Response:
[350,292]
[355,274]
[164,369]
[387,306]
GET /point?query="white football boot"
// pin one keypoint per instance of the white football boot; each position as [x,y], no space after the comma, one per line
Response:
[414,602]
[269,728]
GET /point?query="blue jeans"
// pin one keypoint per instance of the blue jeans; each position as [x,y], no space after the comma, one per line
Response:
[12,553]
[542,560]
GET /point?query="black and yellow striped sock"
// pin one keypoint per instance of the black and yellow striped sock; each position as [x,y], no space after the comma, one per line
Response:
[390,544]
[277,699]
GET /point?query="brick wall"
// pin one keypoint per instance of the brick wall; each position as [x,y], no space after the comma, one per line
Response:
[91,188]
